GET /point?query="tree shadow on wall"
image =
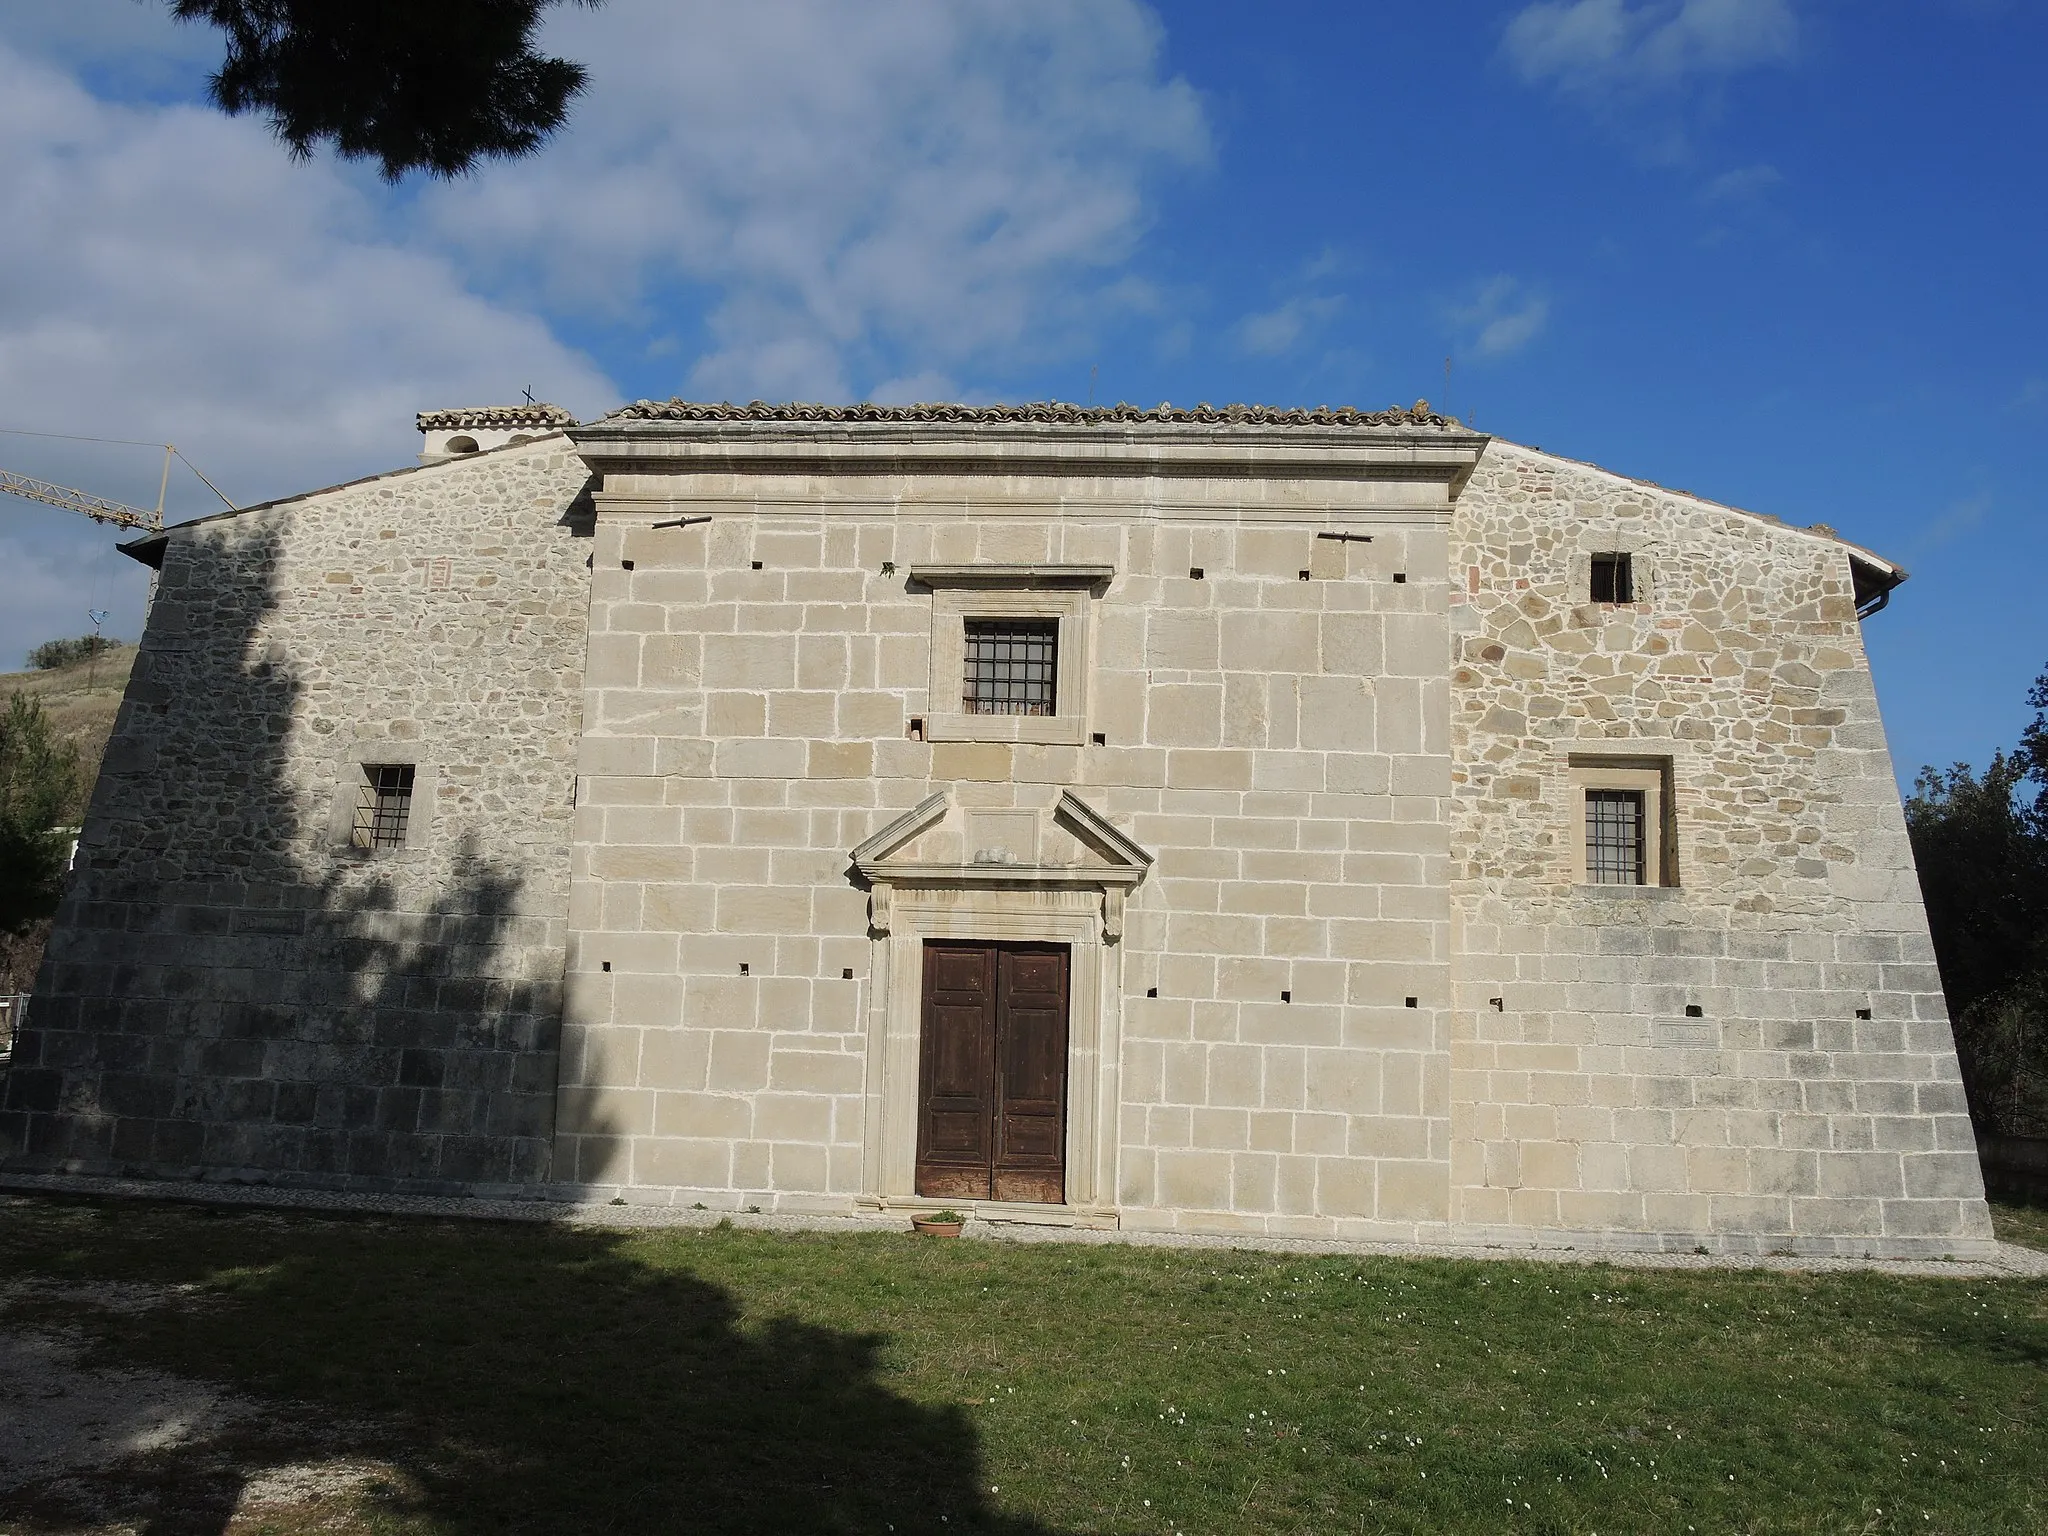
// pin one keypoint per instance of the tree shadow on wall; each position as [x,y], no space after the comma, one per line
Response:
[232,991]
[503,1380]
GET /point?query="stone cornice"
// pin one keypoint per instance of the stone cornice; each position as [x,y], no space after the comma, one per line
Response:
[678,437]
[994,575]
[919,874]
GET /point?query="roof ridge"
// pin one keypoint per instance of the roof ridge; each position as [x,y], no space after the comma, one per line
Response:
[534,413]
[1047,412]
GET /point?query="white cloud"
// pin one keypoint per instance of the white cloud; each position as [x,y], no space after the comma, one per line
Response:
[897,188]
[1606,45]
[897,198]
[1306,306]
[1510,333]
[1957,520]
[1277,330]
[1749,184]
[135,42]
[915,389]
[1503,316]
[171,275]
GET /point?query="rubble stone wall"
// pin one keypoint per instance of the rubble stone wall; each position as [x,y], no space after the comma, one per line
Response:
[1814,1102]
[231,990]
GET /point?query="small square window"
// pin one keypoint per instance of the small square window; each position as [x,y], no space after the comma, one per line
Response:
[1615,839]
[383,806]
[1613,579]
[1621,829]
[1012,667]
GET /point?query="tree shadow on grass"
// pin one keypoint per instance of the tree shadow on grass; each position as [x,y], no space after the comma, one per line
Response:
[532,1380]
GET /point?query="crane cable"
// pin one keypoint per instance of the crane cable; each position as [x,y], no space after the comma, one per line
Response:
[125,442]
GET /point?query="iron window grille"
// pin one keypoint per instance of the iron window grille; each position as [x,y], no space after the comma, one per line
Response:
[1613,579]
[383,805]
[1012,665]
[1614,836]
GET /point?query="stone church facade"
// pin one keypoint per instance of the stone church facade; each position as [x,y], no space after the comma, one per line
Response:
[1302,823]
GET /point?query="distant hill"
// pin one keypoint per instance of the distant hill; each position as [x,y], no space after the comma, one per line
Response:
[81,701]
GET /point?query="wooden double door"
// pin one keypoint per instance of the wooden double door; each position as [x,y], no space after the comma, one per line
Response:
[992,1072]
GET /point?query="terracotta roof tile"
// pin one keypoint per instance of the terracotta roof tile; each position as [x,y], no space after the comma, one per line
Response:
[538,414]
[1046,412]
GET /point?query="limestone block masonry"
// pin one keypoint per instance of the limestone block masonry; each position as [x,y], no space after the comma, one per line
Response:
[1303,801]
[1263,716]
[232,991]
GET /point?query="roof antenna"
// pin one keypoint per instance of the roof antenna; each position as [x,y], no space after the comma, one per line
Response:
[1093,369]
[1447,386]
[529,395]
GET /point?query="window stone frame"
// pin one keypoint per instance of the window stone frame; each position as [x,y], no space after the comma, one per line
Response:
[1651,776]
[1065,593]
[1641,550]
[364,752]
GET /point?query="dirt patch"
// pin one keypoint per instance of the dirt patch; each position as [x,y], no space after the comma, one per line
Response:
[229,1487]
[103,1449]
[125,1298]
[58,1415]
[296,1485]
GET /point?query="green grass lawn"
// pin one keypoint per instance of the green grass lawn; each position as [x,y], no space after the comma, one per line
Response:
[2026,1224]
[513,1378]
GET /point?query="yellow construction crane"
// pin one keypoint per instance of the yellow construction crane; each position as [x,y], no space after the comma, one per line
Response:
[99,508]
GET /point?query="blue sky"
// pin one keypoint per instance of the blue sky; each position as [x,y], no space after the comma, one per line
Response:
[1783,253]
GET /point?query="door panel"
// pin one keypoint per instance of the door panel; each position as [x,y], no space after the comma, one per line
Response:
[1031,1075]
[956,1057]
[992,1092]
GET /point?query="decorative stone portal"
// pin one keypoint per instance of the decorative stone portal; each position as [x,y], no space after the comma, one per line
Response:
[1049,876]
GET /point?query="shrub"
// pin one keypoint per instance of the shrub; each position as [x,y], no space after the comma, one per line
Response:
[38,779]
[62,653]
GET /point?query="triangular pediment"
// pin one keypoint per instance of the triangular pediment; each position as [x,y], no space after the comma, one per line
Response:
[893,835]
[940,840]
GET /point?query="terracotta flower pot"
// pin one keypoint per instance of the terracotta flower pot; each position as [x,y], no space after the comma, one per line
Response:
[924,1226]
